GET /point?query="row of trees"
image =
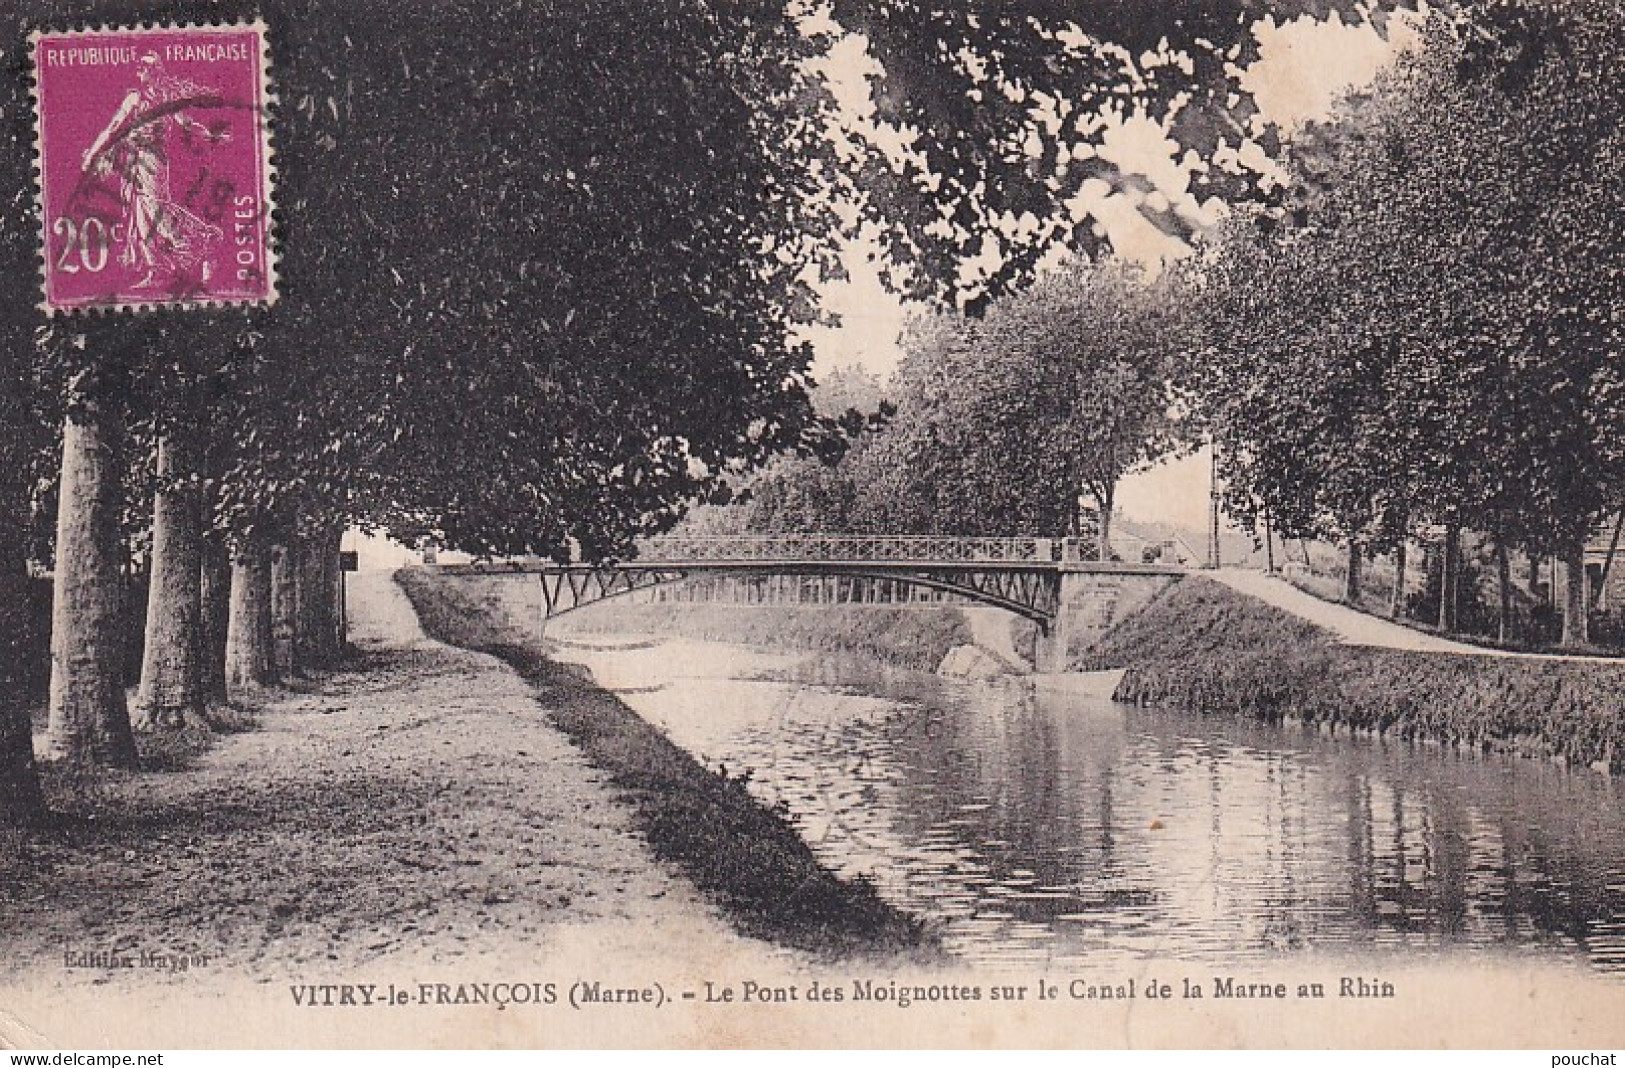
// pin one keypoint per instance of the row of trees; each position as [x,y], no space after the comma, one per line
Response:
[516,315]
[541,264]
[1021,421]
[1417,330]
[1431,337]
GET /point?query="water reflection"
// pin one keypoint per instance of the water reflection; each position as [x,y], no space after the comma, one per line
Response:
[1044,827]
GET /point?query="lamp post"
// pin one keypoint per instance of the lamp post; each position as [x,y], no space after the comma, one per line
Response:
[1213,508]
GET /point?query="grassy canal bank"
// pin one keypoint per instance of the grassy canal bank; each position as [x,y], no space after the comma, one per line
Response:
[747,858]
[1204,647]
[916,638]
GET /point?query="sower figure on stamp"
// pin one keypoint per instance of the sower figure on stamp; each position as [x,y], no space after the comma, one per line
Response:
[160,235]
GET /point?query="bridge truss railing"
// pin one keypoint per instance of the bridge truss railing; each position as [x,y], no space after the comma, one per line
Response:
[858,548]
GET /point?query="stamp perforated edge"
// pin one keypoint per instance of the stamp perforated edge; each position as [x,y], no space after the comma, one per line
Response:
[266,132]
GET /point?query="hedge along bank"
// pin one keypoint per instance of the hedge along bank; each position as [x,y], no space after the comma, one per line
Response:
[1203,647]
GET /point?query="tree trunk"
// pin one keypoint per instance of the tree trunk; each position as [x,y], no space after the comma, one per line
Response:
[20,799]
[1269,545]
[1213,501]
[1448,578]
[134,580]
[249,660]
[1104,499]
[214,616]
[309,632]
[1396,604]
[1535,592]
[1608,561]
[335,593]
[171,693]
[89,717]
[1576,625]
[316,633]
[16,494]
[1503,587]
[1351,575]
[284,607]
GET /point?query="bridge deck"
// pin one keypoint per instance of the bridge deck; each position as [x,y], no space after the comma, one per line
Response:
[1027,576]
[1069,567]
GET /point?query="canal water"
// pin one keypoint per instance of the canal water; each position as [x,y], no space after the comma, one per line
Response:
[1040,825]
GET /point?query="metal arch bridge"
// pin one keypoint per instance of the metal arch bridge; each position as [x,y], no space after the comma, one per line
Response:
[1020,575]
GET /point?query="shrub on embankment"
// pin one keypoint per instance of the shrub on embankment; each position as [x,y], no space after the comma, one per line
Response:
[745,856]
[915,638]
[1204,647]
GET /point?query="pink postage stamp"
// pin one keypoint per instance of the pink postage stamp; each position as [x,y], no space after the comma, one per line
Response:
[154,167]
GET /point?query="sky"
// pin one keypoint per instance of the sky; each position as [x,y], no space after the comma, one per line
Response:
[1303,67]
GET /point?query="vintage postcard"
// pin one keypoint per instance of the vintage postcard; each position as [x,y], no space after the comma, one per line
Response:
[812,524]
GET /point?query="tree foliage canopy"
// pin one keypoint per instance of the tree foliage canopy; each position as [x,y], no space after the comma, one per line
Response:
[1005,105]
[1004,423]
[541,266]
[1439,339]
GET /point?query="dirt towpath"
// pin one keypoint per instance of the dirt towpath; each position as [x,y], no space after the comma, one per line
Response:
[1352,627]
[414,817]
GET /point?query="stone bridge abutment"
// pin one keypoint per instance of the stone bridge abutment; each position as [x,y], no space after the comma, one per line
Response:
[1091,602]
